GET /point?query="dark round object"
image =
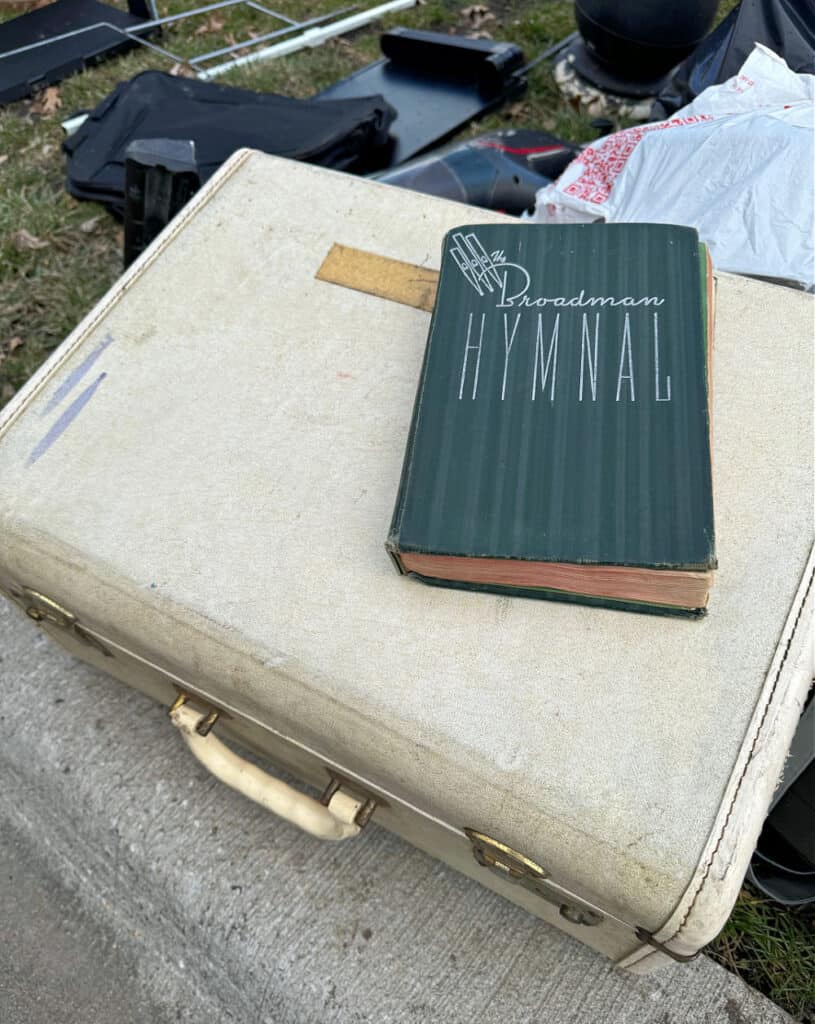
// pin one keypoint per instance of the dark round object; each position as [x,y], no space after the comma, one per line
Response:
[646,38]
[610,80]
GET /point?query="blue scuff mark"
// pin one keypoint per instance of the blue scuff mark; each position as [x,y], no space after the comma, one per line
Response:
[65,420]
[76,375]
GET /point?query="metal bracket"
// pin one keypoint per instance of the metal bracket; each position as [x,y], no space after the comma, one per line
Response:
[681,958]
[363,815]
[515,867]
[212,715]
[44,609]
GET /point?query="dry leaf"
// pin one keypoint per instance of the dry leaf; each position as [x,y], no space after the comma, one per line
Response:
[478,35]
[182,71]
[344,44]
[88,226]
[477,15]
[47,102]
[7,392]
[232,41]
[23,240]
[120,238]
[212,24]
[3,158]
[24,5]
[14,343]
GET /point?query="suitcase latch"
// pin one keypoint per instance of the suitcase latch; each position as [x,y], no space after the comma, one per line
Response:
[515,867]
[43,609]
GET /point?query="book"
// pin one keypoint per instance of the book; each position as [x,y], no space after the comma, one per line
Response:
[560,439]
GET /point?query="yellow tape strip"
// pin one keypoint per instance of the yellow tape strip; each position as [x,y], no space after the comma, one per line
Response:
[379,275]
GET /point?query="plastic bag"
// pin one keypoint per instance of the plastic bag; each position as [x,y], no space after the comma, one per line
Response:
[736,164]
[786,26]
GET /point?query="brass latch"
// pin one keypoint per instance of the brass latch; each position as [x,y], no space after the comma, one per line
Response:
[43,609]
[335,785]
[210,718]
[515,867]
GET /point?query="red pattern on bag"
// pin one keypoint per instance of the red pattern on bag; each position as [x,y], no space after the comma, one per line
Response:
[602,164]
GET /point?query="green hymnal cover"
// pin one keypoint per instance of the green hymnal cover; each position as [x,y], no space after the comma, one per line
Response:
[562,417]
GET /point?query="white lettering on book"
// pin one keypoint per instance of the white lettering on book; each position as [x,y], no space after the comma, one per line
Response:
[585,352]
[667,396]
[467,348]
[508,342]
[625,356]
[551,359]
[552,343]
[506,285]
[492,273]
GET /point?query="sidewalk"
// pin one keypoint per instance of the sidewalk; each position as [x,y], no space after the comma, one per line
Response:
[133,887]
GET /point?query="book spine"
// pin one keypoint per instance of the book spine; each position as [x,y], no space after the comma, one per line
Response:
[392,541]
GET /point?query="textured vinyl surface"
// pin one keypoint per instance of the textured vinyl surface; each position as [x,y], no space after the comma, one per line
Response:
[563,414]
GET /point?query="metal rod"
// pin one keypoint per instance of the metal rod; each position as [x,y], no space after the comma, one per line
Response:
[551,52]
[118,29]
[206,9]
[311,37]
[145,26]
[270,35]
[151,46]
[132,32]
[53,39]
[273,14]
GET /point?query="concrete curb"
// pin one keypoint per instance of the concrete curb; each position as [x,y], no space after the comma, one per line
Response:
[214,910]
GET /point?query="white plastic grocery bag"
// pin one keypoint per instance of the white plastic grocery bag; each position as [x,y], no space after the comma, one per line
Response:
[736,164]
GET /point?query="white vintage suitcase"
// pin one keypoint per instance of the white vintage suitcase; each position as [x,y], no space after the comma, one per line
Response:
[194,495]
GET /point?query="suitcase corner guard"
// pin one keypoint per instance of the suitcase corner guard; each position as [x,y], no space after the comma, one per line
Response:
[339,814]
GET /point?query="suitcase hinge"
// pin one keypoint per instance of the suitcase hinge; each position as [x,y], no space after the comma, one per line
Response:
[43,609]
[514,867]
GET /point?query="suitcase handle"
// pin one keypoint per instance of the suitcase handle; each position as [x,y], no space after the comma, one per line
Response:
[335,820]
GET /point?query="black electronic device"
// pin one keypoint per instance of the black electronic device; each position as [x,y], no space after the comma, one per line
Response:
[437,83]
[50,43]
[631,49]
[161,175]
[499,171]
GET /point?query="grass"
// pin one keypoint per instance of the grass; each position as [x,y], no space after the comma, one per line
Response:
[45,291]
[47,285]
[773,949]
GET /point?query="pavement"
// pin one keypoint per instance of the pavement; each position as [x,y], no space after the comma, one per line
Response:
[136,888]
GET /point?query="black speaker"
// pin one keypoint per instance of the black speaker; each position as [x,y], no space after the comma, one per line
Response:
[629,48]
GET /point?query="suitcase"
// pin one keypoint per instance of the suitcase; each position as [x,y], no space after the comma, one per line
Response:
[194,495]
